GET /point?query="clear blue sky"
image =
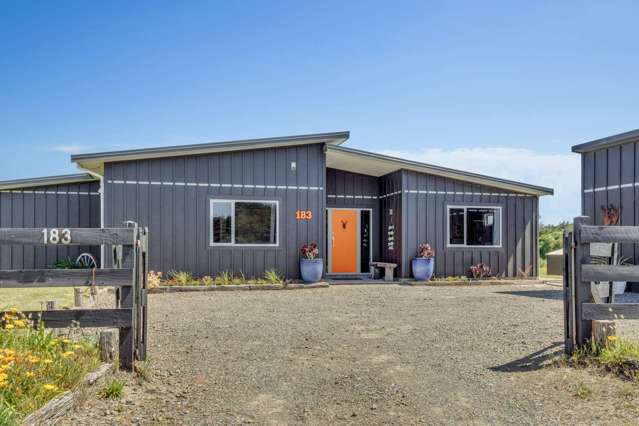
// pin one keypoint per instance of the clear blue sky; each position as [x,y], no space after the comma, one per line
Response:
[401,76]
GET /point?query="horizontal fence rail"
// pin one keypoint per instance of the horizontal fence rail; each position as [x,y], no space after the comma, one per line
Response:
[30,278]
[609,272]
[610,311]
[608,234]
[82,317]
[67,236]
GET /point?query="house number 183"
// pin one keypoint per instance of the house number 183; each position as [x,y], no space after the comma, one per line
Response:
[56,236]
[303,215]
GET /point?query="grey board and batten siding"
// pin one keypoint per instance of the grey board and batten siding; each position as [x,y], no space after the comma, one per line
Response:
[391,205]
[424,216]
[172,195]
[610,175]
[74,205]
[353,190]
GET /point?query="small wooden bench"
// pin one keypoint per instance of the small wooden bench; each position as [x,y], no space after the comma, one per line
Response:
[388,269]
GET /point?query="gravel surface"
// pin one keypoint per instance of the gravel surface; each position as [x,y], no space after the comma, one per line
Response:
[365,354]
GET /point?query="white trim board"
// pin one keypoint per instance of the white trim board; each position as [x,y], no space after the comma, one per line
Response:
[612,187]
[214,185]
[26,191]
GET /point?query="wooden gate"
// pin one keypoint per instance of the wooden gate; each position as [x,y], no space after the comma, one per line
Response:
[129,275]
[582,301]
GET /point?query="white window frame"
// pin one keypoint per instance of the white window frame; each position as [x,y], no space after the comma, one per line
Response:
[465,208]
[233,243]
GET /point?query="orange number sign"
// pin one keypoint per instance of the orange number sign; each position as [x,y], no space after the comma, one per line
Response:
[303,215]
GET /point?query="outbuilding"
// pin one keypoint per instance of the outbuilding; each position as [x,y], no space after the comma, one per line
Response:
[248,205]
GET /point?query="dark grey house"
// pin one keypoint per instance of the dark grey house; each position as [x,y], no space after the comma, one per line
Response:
[246,206]
[610,179]
[56,201]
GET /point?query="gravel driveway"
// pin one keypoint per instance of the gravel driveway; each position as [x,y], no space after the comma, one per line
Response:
[367,354]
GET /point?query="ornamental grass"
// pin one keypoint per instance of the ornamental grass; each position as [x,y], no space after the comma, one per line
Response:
[36,365]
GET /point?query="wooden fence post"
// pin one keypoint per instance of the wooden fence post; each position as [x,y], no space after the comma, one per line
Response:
[78,295]
[583,328]
[107,345]
[128,300]
[50,305]
[568,294]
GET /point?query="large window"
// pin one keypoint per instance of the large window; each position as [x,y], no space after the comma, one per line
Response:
[470,226]
[238,222]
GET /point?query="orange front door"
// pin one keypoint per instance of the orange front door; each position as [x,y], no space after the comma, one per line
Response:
[344,241]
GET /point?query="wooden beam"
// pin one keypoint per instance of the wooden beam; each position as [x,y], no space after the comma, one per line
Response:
[609,311]
[83,317]
[610,273]
[608,234]
[582,293]
[76,236]
[24,278]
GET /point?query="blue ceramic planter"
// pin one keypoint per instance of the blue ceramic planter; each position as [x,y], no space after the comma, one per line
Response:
[311,270]
[423,268]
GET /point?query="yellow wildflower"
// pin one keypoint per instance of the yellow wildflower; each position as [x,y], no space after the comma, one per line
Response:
[33,359]
[76,346]
[30,374]
[13,310]
[19,323]
[67,354]
[49,387]
[8,326]
[66,340]
[47,361]
[3,377]
[3,385]
[612,338]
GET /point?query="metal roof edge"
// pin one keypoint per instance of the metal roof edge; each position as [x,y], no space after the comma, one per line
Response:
[46,180]
[459,174]
[176,150]
[618,139]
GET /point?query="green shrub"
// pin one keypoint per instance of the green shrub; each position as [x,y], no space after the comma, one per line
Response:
[272,276]
[181,277]
[67,263]
[224,278]
[112,389]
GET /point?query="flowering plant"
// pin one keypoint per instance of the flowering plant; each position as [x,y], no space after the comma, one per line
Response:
[310,251]
[479,271]
[425,251]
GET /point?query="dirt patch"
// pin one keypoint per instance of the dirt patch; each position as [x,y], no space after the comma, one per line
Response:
[375,354]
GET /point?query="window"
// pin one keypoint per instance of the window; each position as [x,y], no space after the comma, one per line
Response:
[236,222]
[474,226]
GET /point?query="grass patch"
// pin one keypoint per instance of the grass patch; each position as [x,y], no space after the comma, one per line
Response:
[36,366]
[620,357]
[113,389]
[582,391]
[31,299]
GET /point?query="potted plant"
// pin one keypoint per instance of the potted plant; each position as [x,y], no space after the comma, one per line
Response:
[311,267]
[424,263]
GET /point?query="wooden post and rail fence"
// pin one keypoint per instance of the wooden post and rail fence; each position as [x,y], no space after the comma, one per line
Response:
[129,276]
[583,302]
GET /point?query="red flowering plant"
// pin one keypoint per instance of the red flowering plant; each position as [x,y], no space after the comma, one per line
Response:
[425,251]
[310,251]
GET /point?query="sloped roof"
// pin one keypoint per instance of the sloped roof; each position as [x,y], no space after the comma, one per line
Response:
[95,161]
[46,181]
[607,142]
[373,164]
